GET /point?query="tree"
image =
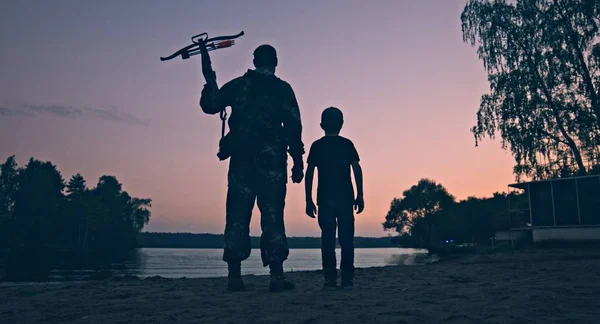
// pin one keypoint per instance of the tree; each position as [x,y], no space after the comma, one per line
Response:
[45,220]
[106,224]
[76,208]
[139,213]
[417,212]
[543,63]
[8,186]
[37,205]
[475,219]
[428,215]
[114,217]
[8,190]
[76,187]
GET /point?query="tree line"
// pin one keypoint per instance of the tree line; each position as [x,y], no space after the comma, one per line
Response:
[38,209]
[428,216]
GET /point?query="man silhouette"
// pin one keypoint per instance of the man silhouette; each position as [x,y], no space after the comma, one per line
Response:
[264,126]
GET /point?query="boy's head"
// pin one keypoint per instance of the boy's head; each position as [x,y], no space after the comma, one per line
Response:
[332,120]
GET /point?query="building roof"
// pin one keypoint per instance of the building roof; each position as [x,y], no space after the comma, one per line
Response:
[523,185]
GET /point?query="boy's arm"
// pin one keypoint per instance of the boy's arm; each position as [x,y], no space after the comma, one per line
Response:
[358,177]
[308,184]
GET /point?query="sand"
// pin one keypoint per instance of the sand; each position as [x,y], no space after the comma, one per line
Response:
[558,286]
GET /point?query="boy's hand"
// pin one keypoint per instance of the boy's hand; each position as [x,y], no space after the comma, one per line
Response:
[359,204]
[311,209]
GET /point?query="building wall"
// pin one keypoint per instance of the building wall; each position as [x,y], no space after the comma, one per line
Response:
[509,235]
[566,234]
[565,202]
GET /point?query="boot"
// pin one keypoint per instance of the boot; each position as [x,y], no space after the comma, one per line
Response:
[278,281]
[234,278]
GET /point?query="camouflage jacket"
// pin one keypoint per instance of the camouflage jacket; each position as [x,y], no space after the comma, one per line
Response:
[265,118]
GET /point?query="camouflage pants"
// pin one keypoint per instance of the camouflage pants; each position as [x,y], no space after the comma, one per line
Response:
[247,185]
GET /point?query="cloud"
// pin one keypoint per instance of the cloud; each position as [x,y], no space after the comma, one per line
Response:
[13,112]
[110,113]
[61,111]
[6,112]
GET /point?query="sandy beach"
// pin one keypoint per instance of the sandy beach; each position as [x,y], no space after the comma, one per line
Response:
[549,286]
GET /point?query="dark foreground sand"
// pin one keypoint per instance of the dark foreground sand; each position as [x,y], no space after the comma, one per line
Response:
[558,286]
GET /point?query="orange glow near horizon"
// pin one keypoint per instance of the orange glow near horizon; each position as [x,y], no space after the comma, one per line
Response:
[408,105]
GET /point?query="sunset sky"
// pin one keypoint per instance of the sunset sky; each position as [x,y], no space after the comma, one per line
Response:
[81,85]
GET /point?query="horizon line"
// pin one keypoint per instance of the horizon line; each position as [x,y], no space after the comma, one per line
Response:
[221,234]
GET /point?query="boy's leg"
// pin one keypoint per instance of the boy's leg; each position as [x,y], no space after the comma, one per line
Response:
[346,238]
[327,223]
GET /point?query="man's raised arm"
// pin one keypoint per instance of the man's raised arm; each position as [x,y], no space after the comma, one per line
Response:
[213,100]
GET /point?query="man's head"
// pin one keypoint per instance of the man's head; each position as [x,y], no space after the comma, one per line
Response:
[265,57]
[332,120]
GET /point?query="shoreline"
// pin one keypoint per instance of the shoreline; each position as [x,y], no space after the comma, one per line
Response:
[528,286]
[291,248]
[191,263]
[99,276]
[133,278]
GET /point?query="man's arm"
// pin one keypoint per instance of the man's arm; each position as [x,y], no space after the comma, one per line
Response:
[293,127]
[358,177]
[308,184]
[213,100]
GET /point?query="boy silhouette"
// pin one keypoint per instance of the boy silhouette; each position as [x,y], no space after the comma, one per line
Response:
[333,156]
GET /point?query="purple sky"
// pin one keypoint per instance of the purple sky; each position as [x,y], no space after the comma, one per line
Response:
[82,86]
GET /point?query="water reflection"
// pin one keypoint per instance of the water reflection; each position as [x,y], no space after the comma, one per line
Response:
[204,263]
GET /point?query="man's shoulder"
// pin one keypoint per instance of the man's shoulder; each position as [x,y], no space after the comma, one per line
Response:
[281,81]
[242,78]
[272,81]
[283,85]
[235,82]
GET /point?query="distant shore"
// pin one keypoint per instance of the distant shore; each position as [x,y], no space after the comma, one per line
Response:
[527,286]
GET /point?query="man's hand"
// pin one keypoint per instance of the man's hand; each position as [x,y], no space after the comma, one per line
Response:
[311,209]
[359,204]
[297,173]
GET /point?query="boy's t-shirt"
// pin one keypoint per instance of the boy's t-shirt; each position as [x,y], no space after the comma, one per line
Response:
[333,155]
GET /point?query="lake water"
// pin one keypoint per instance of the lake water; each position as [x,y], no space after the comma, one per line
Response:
[204,263]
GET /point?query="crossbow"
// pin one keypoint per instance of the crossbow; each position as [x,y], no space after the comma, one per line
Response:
[201,44]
